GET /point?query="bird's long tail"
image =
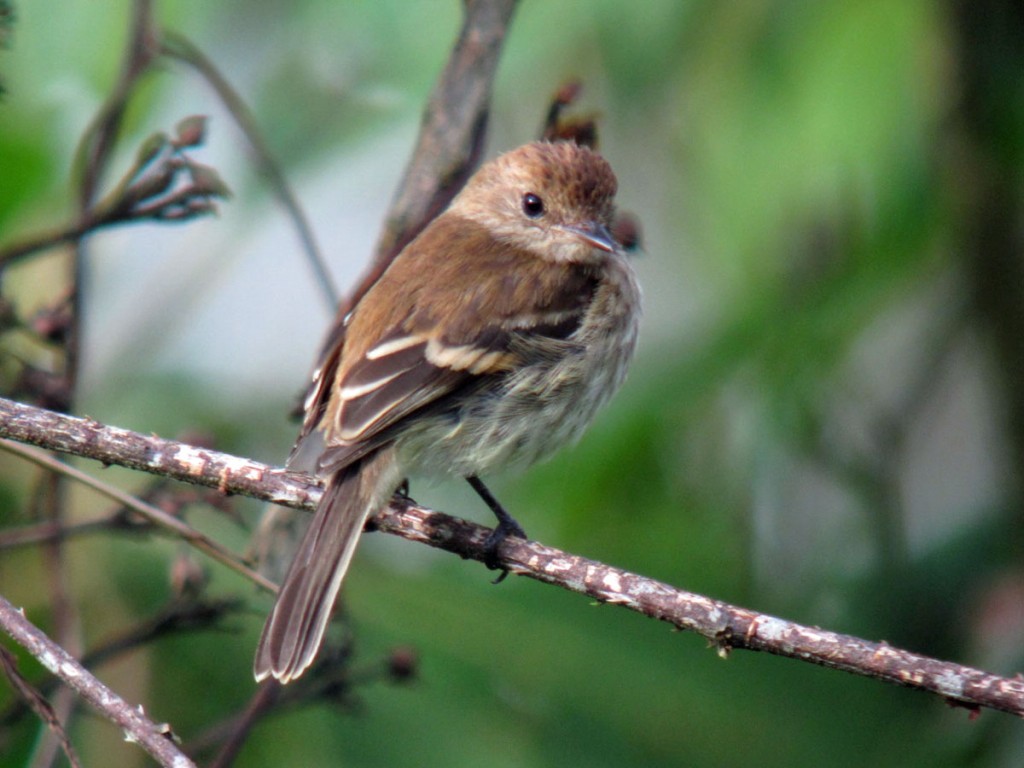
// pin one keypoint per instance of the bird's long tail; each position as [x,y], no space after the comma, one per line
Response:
[295,628]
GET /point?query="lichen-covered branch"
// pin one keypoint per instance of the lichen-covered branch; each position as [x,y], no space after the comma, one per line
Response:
[168,458]
[725,626]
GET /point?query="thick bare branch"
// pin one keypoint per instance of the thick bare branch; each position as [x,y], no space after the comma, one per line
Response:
[153,738]
[450,140]
[454,122]
[725,626]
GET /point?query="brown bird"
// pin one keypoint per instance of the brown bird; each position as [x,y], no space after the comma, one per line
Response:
[490,341]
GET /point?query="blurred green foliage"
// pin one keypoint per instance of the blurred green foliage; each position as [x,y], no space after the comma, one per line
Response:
[815,426]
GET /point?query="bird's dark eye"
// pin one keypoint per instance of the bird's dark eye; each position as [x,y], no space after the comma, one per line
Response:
[533,206]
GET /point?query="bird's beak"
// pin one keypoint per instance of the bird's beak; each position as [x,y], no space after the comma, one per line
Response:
[593,233]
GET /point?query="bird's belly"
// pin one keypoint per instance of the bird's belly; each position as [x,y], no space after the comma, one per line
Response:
[541,406]
[526,418]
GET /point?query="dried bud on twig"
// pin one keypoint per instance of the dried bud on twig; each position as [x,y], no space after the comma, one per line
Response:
[187,577]
[626,230]
[165,184]
[52,323]
[190,132]
[403,664]
[582,130]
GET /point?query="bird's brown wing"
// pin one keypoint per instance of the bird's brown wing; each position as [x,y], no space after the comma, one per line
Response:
[452,334]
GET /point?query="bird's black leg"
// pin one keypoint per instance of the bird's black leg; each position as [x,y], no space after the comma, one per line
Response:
[506,526]
[401,495]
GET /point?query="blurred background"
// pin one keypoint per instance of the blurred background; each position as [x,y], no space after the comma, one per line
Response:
[825,420]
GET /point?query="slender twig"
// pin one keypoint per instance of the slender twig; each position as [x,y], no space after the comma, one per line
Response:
[725,626]
[93,158]
[331,680]
[177,46]
[240,727]
[66,624]
[177,616]
[42,241]
[40,533]
[94,152]
[155,739]
[153,514]
[271,698]
[164,185]
[34,700]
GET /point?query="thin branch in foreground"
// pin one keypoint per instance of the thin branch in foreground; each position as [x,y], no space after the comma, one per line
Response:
[724,625]
[41,533]
[176,46]
[153,738]
[240,727]
[152,514]
[332,681]
[35,701]
[177,617]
